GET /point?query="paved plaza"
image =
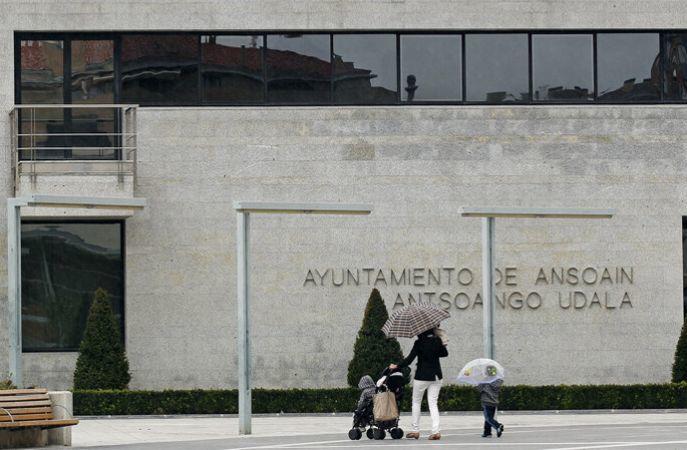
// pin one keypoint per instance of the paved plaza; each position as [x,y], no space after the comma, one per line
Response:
[546,431]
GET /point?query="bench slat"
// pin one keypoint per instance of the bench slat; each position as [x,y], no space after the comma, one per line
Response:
[22,398]
[8,405]
[24,391]
[18,411]
[23,417]
[40,423]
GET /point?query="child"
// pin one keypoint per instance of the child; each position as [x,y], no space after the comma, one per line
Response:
[489,397]
[368,389]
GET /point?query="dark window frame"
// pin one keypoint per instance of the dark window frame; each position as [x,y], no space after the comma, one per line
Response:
[67,39]
[122,237]
[397,53]
[198,97]
[20,35]
[529,72]
[462,87]
[67,57]
[263,61]
[662,40]
[265,69]
[684,268]
[659,55]
[592,35]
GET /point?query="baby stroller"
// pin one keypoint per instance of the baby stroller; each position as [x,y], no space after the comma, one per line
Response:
[391,381]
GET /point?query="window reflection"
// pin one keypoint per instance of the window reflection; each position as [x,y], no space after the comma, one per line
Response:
[628,66]
[160,69]
[430,68]
[562,66]
[232,69]
[62,266]
[92,77]
[365,68]
[675,76]
[92,81]
[496,68]
[42,72]
[298,68]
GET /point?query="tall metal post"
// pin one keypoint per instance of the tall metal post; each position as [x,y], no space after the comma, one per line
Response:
[243,338]
[488,285]
[14,290]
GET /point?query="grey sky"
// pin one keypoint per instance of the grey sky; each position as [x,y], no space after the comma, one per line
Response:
[623,56]
[496,63]
[376,52]
[435,61]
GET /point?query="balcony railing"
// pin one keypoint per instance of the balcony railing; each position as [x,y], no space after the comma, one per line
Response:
[73,140]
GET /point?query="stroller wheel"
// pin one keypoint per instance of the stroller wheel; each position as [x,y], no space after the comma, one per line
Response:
[354,434]
[396,433]
[379,434]
[370,433]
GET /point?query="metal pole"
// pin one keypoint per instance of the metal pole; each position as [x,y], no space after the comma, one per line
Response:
[243,338]
[14,289]
[488,285]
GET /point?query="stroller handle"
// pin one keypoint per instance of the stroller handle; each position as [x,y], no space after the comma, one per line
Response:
[389,371]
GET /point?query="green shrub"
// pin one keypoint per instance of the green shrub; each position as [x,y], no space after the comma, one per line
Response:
[6,384]
[372,349]
[452,398]
[102,363]
[680,364]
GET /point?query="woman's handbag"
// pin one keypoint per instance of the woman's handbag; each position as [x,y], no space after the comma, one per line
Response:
[385,407]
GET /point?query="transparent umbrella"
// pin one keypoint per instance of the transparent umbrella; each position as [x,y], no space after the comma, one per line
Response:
[482,370]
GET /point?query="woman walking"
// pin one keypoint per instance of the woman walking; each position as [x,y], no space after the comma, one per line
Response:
[428,348]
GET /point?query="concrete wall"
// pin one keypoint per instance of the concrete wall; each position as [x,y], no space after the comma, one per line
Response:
[417,165]
[340,14]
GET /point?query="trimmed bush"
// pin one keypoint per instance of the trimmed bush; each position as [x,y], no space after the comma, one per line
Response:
[102,363]
[680,364]
[6,384]
[373,350]
[452,398]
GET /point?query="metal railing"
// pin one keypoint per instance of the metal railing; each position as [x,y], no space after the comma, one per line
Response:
[58,139]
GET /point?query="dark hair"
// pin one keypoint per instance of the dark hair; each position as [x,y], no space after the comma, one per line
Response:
[425,334]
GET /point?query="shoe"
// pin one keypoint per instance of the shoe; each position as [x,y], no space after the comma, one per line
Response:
[486,434]
[499,432]
[434,437]
[413,435]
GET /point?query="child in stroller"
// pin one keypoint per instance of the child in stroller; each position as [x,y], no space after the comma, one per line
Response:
[391,380]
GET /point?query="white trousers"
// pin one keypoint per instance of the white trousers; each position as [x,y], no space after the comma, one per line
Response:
[432,388]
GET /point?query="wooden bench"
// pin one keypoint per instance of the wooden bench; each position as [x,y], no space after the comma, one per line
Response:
[28,408]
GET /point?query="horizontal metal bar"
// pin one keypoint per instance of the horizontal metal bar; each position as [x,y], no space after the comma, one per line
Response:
[75,106]
[303,208]
[125,173]
[74,134]
[76,161]
[83,202]
[540,213]
[74,147]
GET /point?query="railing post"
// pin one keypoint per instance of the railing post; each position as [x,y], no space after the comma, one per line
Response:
[17,152]
[488,306]
[243,307]
[122,143]
[13,148]
[14,289]
[134,143]
[33,145]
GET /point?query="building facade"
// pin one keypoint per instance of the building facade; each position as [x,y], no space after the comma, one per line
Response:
[415,107]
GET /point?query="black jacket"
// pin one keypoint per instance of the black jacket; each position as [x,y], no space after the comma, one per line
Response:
[428,349]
